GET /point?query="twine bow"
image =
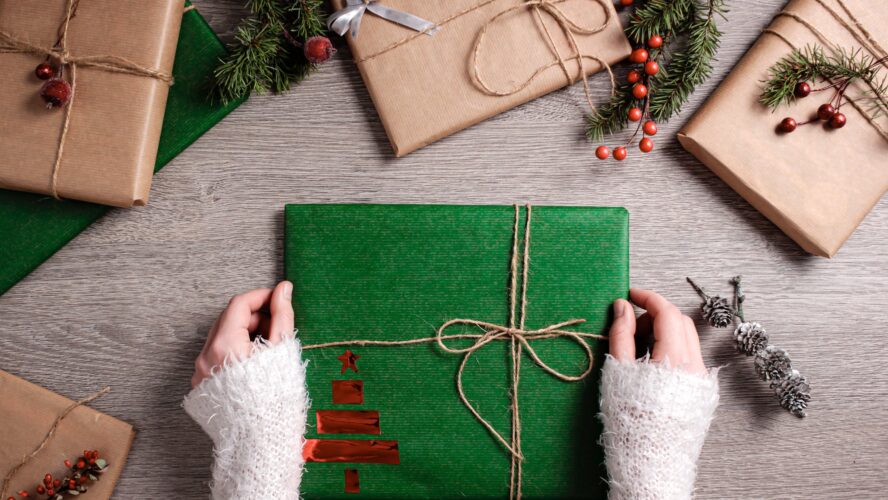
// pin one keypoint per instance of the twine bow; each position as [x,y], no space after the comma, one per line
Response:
[349,18]
[10,44]
[515,333]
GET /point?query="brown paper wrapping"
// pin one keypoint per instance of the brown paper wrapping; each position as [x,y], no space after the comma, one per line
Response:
[112,139]
[815,184]
[29,412]
[423,90]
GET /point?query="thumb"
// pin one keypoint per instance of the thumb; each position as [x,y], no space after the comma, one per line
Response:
[622,332]
[282,317]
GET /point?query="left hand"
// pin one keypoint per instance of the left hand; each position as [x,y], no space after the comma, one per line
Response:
[266,312]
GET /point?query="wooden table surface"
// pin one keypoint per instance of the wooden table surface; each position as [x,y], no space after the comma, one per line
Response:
[128,302]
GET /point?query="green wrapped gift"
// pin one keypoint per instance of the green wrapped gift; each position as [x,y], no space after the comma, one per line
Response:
[419,322]
[33,226]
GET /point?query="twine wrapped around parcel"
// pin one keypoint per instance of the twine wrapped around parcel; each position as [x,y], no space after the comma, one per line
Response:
[346,19]
[10,44]
[515,333]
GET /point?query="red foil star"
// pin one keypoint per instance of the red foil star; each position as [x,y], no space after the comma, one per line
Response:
[349,360]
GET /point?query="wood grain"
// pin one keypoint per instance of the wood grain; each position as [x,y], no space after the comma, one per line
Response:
[129,301]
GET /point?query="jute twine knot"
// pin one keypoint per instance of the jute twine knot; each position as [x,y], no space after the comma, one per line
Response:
[10,44]
[48,436]
[519,338]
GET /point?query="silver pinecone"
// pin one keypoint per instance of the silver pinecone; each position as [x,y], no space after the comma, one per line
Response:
[751,338]
[718,311]
[772,363]
[793,392]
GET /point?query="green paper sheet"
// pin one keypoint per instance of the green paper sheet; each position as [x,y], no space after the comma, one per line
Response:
[397,272]
[34,226]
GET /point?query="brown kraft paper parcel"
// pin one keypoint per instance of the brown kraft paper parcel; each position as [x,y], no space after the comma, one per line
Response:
[115,122]
[815,184]
[28,415]
[424,88]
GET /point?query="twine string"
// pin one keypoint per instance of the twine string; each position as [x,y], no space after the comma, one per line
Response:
[863,37]
[10,44]
[537,7]
[515,333]
[48,436]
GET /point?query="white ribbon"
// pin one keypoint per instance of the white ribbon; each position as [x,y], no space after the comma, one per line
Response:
[349,18]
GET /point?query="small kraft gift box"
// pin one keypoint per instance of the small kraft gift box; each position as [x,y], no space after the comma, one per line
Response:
[454,351]
[435,67]
[105,71]
[816,183]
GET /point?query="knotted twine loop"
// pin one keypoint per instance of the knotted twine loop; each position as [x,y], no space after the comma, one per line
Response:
[568,27]
[10,44]
[48,436]
[863,37]
[515,333]
[570,30]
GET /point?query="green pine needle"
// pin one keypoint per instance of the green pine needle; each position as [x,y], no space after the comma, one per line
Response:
[266,55]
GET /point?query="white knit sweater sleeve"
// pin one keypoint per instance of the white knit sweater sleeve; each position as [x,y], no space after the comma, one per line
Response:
[254,410]
[655,420]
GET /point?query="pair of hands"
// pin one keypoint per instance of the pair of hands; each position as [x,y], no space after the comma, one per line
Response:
[269,313]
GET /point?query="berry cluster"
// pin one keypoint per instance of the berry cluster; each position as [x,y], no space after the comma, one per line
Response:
[86,468]
[56,92]
[639,78]
[827,112]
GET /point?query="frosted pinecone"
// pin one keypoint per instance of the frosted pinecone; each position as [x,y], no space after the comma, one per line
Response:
[751,338]
[718,311]
[793,392]
[772,363]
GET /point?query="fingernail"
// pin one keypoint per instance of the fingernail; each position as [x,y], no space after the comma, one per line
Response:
[619,308]
[288,290]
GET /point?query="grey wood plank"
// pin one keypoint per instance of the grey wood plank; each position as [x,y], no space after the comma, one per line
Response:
[129,301]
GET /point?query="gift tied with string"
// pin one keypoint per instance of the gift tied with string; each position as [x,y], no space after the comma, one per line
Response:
[117,59]
[817,183]
[474,336]
[435,67]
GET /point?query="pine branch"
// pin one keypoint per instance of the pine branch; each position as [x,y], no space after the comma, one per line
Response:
[657,17]
[265,55]
[839,66]
[690,68]
[612,116]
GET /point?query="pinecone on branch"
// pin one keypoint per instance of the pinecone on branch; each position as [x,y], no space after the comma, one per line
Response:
[773,363]
[793,392]
[718,311]
[751,338]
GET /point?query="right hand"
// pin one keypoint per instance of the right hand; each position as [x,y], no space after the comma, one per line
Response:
[674,335]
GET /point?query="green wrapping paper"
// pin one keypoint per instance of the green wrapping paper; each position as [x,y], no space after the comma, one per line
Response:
[33,227]
[392,272]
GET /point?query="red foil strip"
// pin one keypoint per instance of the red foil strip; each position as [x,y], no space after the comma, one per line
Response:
[352,481]
[348,422]
[355,451]
[348,392]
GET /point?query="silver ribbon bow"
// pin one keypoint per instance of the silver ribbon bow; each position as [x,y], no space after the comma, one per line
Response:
[349,18]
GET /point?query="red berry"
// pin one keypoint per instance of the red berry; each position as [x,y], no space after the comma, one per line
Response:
[787,125]
[47,479]
[23,494]
[68,463]
[802,89]
[826,111]
[40,489]
[838,120]
[82,480]
[620,153]
[94,454]
[56,483]
[646,145]
[92,461]
[56,93]
[11,498]
[602,152]
[626,3]
[638,56]
[44,71]
[634,114]
[81,464]
[633,76]
[650,128]
[655,42]
[639,90]
[50,492]
[318,49]
[651,67]
[72,484]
